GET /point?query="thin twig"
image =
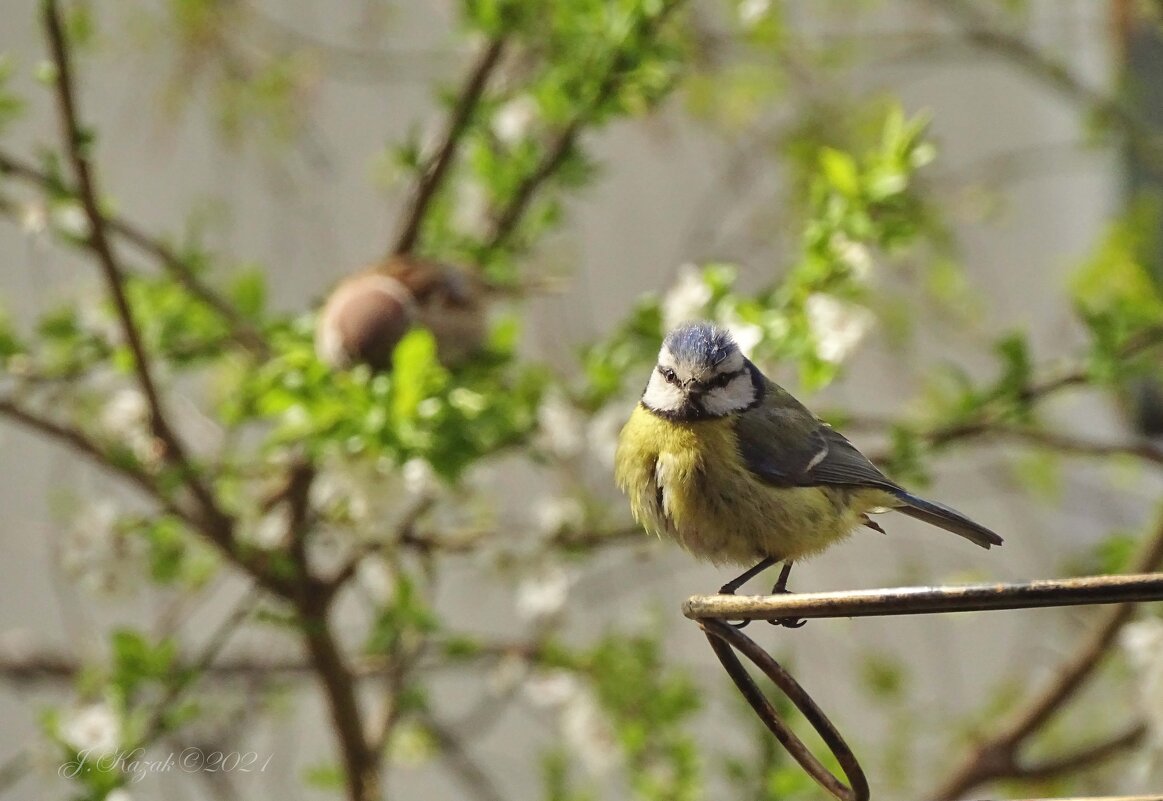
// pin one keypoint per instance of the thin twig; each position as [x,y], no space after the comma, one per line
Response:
[472,777]
[1065,443]
[184,680]
[434,171]
[81,443]
[404,534]
[561,145]
[1086,757]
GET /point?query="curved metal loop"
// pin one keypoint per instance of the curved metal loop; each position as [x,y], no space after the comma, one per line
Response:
[725,639]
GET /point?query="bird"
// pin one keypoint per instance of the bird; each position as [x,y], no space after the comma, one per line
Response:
[368,313]
[722,459]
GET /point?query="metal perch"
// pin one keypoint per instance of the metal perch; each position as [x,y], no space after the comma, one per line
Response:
[712,612]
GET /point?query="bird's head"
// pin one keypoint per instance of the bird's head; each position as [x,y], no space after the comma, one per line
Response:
[701,374]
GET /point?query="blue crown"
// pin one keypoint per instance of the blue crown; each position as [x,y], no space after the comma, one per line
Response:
[700,343]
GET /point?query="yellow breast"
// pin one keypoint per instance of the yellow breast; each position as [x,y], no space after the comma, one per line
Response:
[688,481]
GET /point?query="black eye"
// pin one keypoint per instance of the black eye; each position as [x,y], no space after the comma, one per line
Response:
[669,375]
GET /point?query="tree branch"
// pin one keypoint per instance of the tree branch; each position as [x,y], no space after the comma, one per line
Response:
[214,522]
[1001,749]
[80,442]
[1085,757]
[434,171]
[361,763]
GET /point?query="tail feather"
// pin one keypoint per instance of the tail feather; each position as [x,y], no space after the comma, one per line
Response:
[949,519]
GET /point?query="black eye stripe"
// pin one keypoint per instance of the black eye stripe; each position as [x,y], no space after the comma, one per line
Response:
[723,379]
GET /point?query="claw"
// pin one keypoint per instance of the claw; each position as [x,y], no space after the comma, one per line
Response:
[727,589]
[780,588]
[789,622]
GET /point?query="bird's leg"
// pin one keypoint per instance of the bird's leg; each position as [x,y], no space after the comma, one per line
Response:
[780,588]
[748,574]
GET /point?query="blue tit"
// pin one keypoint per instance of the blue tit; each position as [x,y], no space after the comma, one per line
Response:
[730,465]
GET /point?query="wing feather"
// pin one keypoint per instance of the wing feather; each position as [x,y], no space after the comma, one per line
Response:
[785,445]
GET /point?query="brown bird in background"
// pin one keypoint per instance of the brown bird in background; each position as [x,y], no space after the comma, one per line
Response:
[369,312]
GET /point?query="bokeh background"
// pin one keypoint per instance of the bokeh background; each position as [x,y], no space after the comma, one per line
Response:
[270,133]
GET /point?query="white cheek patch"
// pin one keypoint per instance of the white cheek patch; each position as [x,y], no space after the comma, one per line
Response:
[661,395]
[736,396]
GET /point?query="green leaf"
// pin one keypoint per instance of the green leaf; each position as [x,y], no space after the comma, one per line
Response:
[137,661]
[416,373]
[840,170]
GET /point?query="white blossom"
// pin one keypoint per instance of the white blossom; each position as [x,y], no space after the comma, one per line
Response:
[96,319]
[837,325]
[69,218]
[552,688]
[356,489]
[854,254]
[95,552]
[514,120]
[752,11]
[374,575]
[118,794]
[561,428]
[34,218]
[1142,641]
[588,734]
[271,530]
[746,335]
[510,670]
[543,594]
[558,513]
[95,729]
[471,209]
[583,726]
[419,478]
[125,417]
[687,299]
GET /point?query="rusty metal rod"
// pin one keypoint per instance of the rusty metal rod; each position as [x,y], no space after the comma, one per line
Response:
[725,639]
[928,600]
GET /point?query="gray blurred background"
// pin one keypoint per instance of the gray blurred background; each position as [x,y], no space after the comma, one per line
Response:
[1030,201]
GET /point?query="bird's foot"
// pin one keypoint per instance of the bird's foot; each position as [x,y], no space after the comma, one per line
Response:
[727,589]
[780,588]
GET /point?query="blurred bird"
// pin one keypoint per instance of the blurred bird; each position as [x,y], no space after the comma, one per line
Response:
[368,313]
[728,463]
